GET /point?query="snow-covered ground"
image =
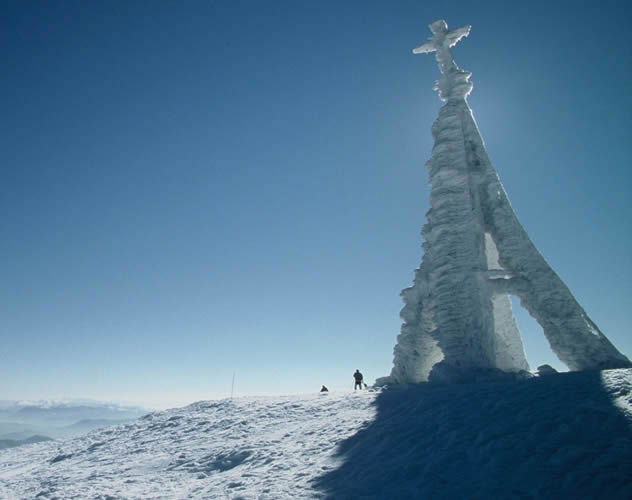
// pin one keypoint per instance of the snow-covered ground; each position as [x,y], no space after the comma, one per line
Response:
[562,436]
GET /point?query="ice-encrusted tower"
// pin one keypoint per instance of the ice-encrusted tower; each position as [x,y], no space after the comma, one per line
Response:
[457,317]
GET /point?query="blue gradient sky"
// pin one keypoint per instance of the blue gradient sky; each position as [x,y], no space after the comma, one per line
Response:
[192,189]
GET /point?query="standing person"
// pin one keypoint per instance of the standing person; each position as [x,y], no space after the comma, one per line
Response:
[358,380]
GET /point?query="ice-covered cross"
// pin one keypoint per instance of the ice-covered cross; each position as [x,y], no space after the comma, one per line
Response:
[454,82]
[441,41]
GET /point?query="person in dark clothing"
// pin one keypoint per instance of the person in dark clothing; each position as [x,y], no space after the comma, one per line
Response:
[357,376]
[324,389]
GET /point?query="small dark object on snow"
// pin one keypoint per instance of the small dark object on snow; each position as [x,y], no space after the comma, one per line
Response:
[324,389]
[544,370]
[358,380]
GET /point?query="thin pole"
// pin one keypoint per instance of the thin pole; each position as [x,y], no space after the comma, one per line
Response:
[232,387]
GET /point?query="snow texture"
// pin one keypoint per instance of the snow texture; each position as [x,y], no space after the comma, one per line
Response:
[561,436]
[251,447]
[457,316]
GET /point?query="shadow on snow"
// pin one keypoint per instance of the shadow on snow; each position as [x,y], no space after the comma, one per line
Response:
[551,437]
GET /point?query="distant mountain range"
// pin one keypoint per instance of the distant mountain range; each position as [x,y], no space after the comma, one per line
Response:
[12,443]
[21,420]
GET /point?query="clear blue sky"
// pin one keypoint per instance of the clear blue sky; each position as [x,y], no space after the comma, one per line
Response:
[192,189]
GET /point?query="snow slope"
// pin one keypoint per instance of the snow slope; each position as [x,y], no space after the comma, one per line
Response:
[562,436]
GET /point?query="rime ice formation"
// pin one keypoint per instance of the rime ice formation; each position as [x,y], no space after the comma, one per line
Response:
[457,317]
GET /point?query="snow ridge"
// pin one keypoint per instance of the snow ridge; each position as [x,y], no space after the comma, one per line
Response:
[561,436]
[210,449]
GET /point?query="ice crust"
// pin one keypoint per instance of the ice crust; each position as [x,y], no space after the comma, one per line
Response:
[457,316]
